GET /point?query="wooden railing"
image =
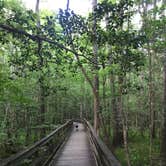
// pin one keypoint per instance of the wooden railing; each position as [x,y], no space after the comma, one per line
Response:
[103,155]
[42,151]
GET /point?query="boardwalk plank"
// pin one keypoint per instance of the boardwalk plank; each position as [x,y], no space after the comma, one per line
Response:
[77,150]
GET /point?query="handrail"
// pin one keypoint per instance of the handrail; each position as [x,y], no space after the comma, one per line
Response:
[103,155]
[17,158]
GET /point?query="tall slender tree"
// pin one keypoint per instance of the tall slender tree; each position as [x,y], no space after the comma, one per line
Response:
[163,141]
[95,70]
[41,77]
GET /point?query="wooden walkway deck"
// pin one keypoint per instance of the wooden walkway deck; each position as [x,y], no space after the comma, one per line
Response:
[76,151]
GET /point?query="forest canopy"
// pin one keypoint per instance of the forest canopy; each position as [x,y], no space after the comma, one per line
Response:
[108,67]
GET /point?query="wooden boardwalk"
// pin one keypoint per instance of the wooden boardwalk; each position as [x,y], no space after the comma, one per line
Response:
[76,151]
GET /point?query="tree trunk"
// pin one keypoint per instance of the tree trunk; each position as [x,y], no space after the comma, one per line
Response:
[119,114]
[104,120]
[104,89]
[163,141]
[42,106]
[8,121]
[28,126]
[126,141]
[67,4]
[151,96]
[96,105]
[117,122]
[41,79]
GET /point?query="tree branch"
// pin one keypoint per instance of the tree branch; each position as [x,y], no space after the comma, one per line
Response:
[36,37]
[40,38]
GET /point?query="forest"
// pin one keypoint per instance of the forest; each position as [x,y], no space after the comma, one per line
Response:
[108,67]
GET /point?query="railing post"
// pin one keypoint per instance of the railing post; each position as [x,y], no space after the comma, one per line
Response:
[103,155]
[42,149]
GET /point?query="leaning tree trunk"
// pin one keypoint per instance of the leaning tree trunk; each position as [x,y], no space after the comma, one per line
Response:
[95,83]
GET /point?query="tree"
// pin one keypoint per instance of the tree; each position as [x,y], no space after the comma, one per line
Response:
[163,144]
[95,70]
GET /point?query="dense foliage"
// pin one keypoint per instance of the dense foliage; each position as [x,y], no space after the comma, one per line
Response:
[48,64]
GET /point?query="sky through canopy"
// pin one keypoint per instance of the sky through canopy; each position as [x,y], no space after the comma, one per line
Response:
[79,6]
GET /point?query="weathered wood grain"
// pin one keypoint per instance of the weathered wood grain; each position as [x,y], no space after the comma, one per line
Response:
[103,155]
[76,151]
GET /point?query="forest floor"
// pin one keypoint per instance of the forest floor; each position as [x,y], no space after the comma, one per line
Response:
[139,150]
